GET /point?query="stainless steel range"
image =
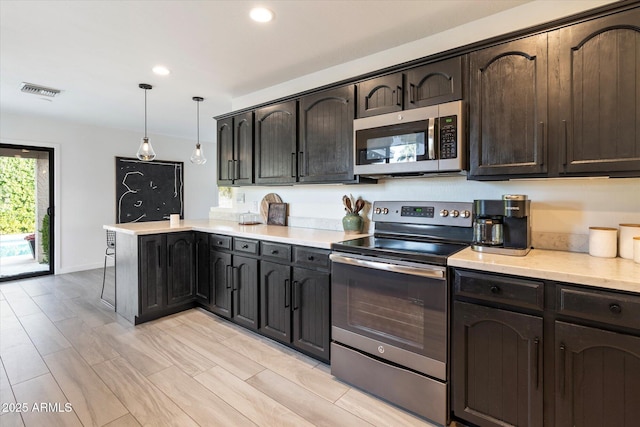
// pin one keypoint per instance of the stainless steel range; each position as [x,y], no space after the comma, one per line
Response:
[390,303]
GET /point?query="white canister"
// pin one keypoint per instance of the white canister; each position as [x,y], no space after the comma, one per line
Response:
[603,242]
[625,241]
[174,220]
[636,249]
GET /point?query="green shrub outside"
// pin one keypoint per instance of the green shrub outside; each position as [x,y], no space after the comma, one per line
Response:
[17,195]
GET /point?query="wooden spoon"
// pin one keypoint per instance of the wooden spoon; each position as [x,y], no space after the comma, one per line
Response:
[347,203]
[359,205]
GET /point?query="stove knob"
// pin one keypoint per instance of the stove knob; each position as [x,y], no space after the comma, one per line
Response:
[444,213]
[385,211]
[455,213]
[466,214]
[400,117]
[377,211]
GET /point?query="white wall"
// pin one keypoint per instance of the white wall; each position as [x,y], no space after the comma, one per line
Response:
[85,184]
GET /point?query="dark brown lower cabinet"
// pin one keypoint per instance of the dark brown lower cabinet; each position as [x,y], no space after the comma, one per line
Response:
[220,274]
[234,287]
[597,377]
[201,271]
[180,268]
[245,291]
[311,304]
[275,300]
[295,307]
[166,274]
[497,366]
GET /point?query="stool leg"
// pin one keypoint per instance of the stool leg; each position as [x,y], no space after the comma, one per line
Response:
[104,275]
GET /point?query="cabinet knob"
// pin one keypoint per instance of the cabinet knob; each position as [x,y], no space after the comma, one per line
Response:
[310,258]
[495,289]
[615,308]
[274,252]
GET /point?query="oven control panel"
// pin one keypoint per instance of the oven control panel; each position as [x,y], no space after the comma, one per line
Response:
[428,213]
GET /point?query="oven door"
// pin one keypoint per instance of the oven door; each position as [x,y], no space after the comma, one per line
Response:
[393,310]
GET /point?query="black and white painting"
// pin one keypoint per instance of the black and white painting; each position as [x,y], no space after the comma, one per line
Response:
[148,191]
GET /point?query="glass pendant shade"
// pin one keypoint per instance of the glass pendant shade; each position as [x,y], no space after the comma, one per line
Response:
[145,152]
[197,156]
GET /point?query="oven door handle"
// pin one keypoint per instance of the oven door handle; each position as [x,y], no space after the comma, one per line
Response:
[426,271]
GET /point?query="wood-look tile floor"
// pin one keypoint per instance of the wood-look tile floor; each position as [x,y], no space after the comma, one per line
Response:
[67,360]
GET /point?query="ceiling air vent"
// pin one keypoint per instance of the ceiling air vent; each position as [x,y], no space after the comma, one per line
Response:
[38,90]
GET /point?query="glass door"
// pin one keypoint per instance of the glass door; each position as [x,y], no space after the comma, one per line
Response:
[26,211]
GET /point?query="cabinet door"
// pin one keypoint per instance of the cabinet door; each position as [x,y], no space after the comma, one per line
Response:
[220,271]
[434,83]
[380,95]
[180,268]
[245,291]
[202,280]
[599,114]
[597,377]
[311,300]
[243,148]
[508,109]
[225,151]
[326,136]
[275,300]
[152,273]
[497,366]
[275,141]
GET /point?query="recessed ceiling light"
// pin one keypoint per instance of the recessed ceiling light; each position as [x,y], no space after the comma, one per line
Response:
[261,14]
[161,70]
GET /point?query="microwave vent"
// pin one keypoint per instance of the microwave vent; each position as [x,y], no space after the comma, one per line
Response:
[38,90]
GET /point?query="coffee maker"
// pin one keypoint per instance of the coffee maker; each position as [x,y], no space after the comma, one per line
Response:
[502,226]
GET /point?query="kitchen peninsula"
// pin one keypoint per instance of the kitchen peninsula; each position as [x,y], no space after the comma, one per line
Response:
[271,279]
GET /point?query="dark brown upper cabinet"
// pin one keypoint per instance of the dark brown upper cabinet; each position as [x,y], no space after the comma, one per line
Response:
[508,119]
[380,95]
[235,150]
[434,83]
[598,95]
[326,136]
[276,155]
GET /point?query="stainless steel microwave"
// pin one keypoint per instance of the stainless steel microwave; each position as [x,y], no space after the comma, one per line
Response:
[412,142]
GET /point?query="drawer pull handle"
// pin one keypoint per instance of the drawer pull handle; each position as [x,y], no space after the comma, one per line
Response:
[219,242]
[495,289]
[310,258]
[615,308]
[274,252]
[245,246]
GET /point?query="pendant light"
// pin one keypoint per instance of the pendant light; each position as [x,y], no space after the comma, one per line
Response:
[145,152]
[197,156]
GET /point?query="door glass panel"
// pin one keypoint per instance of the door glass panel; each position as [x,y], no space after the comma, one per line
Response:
[26,240]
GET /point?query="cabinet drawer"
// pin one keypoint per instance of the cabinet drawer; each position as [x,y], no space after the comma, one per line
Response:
[505,290]
[246,246]
[219,241]
[276,251]
[311,257]
[601,306]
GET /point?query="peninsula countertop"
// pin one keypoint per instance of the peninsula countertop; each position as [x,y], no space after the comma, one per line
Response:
[275,233]
[570,267]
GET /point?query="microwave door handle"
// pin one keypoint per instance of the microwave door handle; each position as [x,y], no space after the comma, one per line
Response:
[431,138]
[426,271]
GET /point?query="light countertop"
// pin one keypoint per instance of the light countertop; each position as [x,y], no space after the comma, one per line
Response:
[570,267]
[274,233]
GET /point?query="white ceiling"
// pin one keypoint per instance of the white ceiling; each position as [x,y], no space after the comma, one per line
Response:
[97,52]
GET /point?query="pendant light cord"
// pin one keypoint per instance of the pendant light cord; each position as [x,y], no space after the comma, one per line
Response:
[198,121]
[145,113]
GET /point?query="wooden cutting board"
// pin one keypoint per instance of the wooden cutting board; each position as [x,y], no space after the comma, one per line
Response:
[264,205]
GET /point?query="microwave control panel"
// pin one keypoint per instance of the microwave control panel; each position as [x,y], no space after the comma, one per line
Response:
[448,137]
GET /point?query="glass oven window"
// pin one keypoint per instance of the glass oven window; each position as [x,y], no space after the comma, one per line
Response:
[402,310]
